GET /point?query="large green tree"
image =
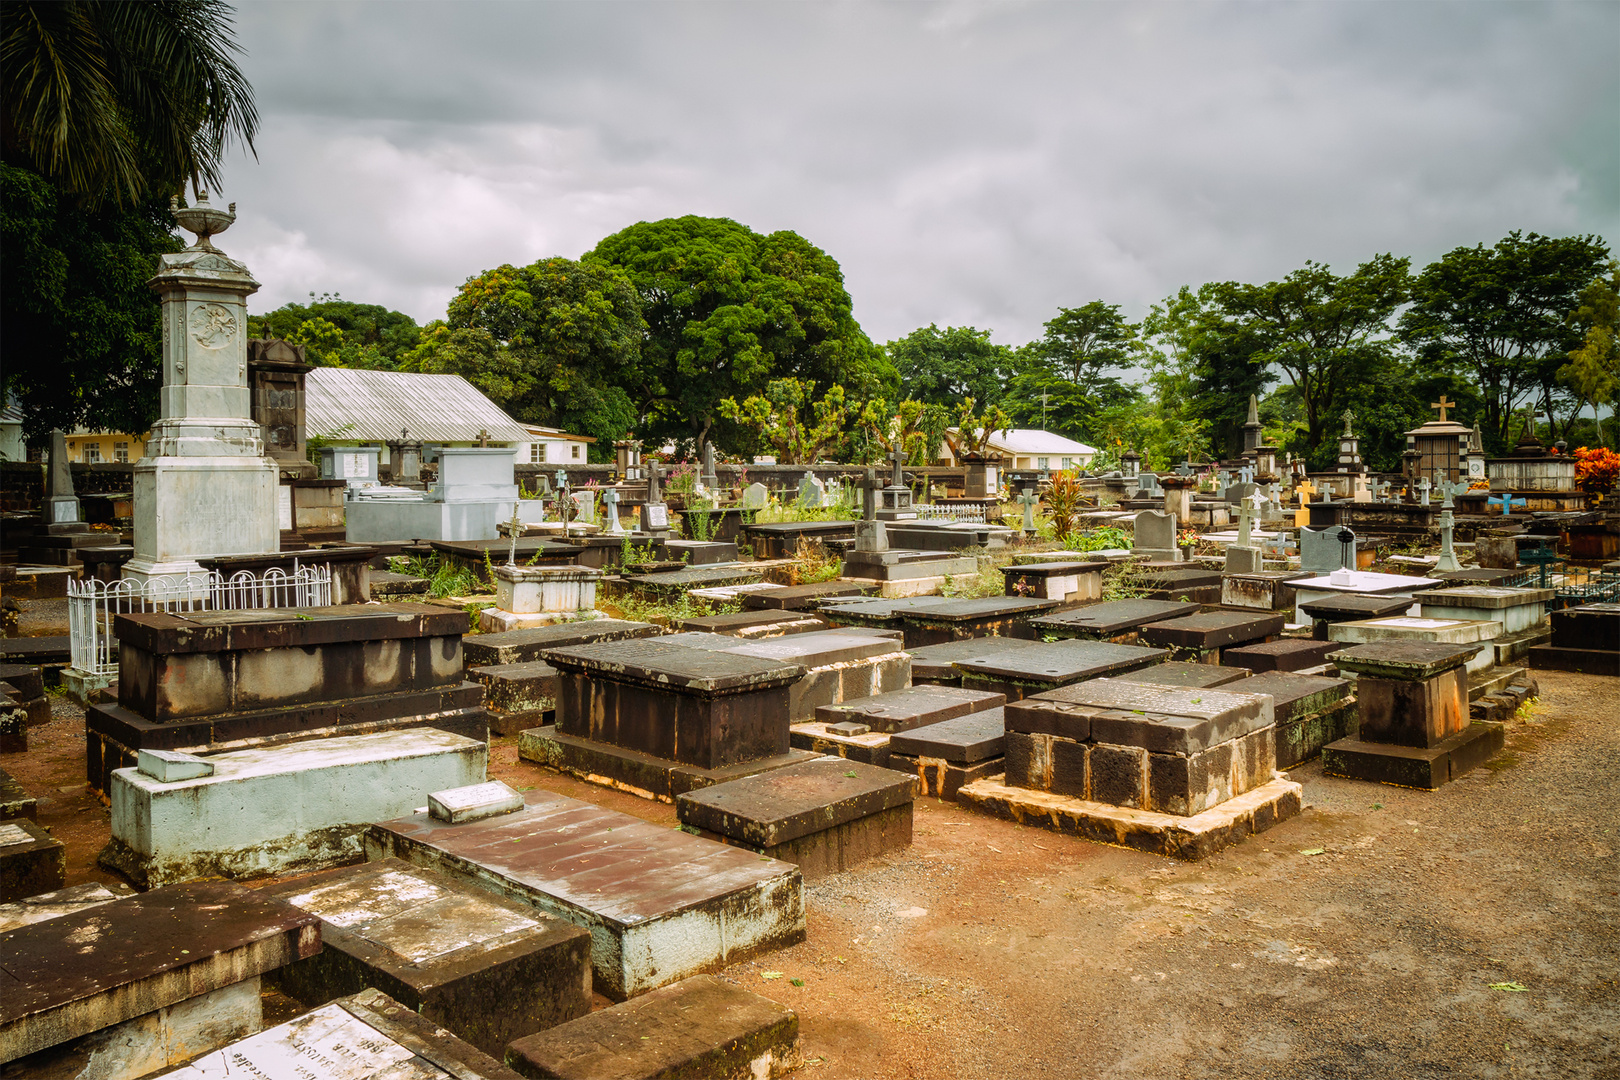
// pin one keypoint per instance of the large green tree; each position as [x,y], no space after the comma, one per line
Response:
[107,109]
[1066,379]
[1500,315]
[941,367]
[556,342]
[727,311]
[1324,332]
[1593,371]
[340,333]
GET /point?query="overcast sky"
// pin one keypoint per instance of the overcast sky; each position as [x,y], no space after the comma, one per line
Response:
[966,164]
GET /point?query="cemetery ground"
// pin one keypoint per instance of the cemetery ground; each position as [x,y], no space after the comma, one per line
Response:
[1469,931]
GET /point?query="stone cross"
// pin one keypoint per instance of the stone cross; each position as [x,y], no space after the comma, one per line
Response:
[869,498]
[1449,492]
[1506,501]
[483,437]
[655,476]
[1442,405]
[610,501]
[514,527]
[898,459]
[1448,555]
[563,500]
[1382,491]
[1247,508]
[1423,491]
[1246,474]
[1348,417]
[1274,496]
[1029,500]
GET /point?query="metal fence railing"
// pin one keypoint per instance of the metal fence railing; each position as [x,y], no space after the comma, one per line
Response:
[94,605]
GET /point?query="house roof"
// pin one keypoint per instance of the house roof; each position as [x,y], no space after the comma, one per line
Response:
[1036,441]
[543,434]
[373,406]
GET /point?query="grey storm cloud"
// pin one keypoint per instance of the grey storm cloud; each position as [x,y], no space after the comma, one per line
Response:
[966,164]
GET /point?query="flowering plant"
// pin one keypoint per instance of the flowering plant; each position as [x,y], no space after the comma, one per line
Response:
[1596,469]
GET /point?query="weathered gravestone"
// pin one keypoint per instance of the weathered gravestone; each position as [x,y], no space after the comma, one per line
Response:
[1156,536]
[754,497]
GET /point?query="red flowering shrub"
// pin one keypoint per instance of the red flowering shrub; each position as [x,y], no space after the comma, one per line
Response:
[1596,469]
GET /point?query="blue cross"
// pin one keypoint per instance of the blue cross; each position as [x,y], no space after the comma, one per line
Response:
[1507,502]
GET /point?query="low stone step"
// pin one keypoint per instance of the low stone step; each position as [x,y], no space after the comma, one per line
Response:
[518,696]
[31,860]
[755,624]
[697,1027]
[1284,654]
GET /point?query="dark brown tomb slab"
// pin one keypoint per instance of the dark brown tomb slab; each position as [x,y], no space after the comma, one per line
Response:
[525,646]
[824,815]
[486,967]
[1284,654]
[955,620]
[1311,712]
[31,860]
[517,696]
[755,624]
[935,665]
[914,706]
[953,752]
[1350,607]
[802,597]
[1116,621]
[699,1027]
[1585,639]
[1053,664]
[1203,636]
[1181,673]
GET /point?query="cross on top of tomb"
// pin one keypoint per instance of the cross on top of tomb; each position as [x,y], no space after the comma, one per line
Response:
[1348,417]
[1423,491]
[1450,491]
[1442,405]
[1256,500]
[897,458]
[483,437]
[513,528]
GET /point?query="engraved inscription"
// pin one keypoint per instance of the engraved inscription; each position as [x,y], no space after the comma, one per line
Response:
[212,326]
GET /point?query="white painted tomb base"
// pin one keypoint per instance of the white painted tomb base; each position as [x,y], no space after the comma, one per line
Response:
[296,806]
[1411,628]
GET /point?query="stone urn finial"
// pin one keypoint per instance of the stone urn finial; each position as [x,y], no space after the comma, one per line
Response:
[204,220]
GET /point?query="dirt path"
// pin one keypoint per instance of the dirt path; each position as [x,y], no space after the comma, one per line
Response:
[993,950]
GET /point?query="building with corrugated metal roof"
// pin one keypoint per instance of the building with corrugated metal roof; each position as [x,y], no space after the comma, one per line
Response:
[351,407]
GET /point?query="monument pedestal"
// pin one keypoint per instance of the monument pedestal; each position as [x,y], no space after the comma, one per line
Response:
[191,506]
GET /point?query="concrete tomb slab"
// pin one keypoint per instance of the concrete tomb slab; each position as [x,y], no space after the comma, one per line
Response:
[1263,590]
[1182,673]
[953,752]
[14,801]
[1066,581]
[838,665]
[701,1026]
[1412,701]
[1515,609]
[1358,583]
[173,973]
[766,623]
[1118,621]
[526,646]
[1205,635]
[1416,628]
[659,904]
[1337,607]
[474,802]
[935,665]
[488,968]
[1584,639]
[297,806]
[910,707]
[957,619]
[879,613]
[1284,654]
[368,1036]
[50,905]
[824,815]
[1050,665]
[803,597]
[31,860]
[854,741]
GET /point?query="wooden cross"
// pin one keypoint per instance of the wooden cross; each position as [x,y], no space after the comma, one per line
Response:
[1442,405]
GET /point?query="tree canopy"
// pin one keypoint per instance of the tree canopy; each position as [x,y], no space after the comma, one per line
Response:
[941,367]
[727,310]
[340,333]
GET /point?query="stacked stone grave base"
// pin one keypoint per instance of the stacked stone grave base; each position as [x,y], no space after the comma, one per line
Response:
[1118,621]
[860,730]
[659,904]
[1180,772]
[1415,729]
[221,680]
[1584,639]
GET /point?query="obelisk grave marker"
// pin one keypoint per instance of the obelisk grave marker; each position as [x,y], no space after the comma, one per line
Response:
[204,487]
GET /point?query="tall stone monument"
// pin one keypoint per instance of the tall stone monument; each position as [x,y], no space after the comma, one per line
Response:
[204,487]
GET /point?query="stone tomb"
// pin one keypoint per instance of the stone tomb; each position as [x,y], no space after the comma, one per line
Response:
[50,905]
[1311,711]
[803,597]
[1117,621]
[660,717]
[879,613]
[31,860]
[517,696]
[1191,676]
[1413,705]
[1472,633]
[369,1036]
[659,904]
[751,625]
[860,730]
[698,1027]
[950,753]
[1180,772]
[1068,582]
[525,646]
[1359,583]
[839,665]
[1584,639]
[960,619]
[228,679]
[1202,638]
[824,815]
[935,665]
[1323,612]
[1283,654]
[126,988]
[1188,585]
[1265,590]
[486,967]
[1048,666]
[297,806]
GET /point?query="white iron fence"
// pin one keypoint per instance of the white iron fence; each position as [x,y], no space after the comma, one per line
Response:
[94,605]
[972,513]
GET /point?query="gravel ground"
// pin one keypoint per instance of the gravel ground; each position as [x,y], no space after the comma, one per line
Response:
[994,950]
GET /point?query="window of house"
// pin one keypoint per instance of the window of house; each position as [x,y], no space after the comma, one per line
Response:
[92,453]
[120,451]
[1068,463]
[537,453]
[1043,463]
[576,451]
